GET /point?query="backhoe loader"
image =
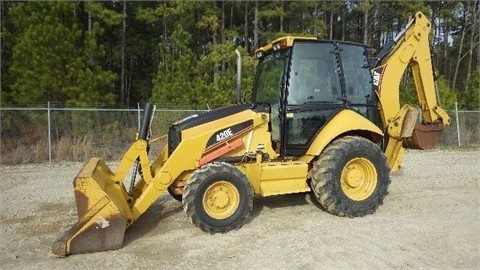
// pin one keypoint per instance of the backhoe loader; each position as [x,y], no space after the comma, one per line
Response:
[324,117]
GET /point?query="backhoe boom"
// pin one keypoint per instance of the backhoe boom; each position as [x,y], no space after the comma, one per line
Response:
[410,48]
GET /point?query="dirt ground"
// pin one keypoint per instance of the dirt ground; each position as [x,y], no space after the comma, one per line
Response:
[430,220]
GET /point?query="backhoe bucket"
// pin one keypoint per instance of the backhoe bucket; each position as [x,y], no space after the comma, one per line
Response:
[424,137]
[101,205]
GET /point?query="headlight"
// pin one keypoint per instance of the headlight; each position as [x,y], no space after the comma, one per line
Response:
[259,54]
[276,46]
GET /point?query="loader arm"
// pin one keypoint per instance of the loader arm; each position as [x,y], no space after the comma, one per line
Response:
[410,49]
[106,209]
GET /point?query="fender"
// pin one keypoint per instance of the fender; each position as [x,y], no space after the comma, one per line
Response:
[340,124]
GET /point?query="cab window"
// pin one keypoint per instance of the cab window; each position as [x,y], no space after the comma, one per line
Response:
[312,74]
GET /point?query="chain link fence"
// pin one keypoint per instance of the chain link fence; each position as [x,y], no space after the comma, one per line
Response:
[464,130]
[37,135]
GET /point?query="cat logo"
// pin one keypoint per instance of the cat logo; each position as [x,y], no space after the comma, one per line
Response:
[376,78]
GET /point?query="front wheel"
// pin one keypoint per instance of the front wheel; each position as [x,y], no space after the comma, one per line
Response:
[351,177]
[218,198]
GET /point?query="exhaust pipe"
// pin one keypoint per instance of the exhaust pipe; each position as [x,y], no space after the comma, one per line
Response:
[239,76]
[144,130]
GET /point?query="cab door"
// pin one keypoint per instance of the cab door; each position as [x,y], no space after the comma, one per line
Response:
[324,77]
[313,94]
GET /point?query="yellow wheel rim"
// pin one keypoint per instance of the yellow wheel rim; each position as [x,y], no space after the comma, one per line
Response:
[359,179]
[221,200]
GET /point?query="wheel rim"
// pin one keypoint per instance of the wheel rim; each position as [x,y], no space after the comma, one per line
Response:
[221,200]
[359,179]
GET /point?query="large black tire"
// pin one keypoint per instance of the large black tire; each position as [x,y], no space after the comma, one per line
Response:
[351,177]
[218,198]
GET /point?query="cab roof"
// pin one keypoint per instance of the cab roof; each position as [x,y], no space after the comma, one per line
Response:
[282,42]
[287,41]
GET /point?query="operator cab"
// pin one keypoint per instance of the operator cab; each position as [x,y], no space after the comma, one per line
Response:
[307,81]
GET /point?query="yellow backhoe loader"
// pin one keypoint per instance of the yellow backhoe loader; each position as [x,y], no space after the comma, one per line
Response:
[324,117]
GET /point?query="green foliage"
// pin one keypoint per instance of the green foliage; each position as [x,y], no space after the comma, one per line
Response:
[209,21]
[99,11]
[182,52]
[271,10]
[202,79]
[408,94]
[248,71]
[176,81]
[53,59]
[183,80]
[447,95]
[470,99]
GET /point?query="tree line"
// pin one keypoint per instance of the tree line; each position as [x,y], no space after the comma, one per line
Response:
[182,53]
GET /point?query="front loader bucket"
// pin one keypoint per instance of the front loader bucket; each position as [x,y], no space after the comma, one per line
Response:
[424,137]
[101,206]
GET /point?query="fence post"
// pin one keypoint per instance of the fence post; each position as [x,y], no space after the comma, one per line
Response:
[458,124]
[49,134]
[138,116]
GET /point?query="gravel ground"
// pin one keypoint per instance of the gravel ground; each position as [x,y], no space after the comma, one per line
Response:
[430,220]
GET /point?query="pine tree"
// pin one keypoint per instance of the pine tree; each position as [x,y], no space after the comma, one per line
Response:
[53,59]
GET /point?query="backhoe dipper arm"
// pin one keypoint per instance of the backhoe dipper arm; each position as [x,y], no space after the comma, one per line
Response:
[410,48]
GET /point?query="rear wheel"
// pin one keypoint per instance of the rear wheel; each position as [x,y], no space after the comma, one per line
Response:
[218,198]
[351,177]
